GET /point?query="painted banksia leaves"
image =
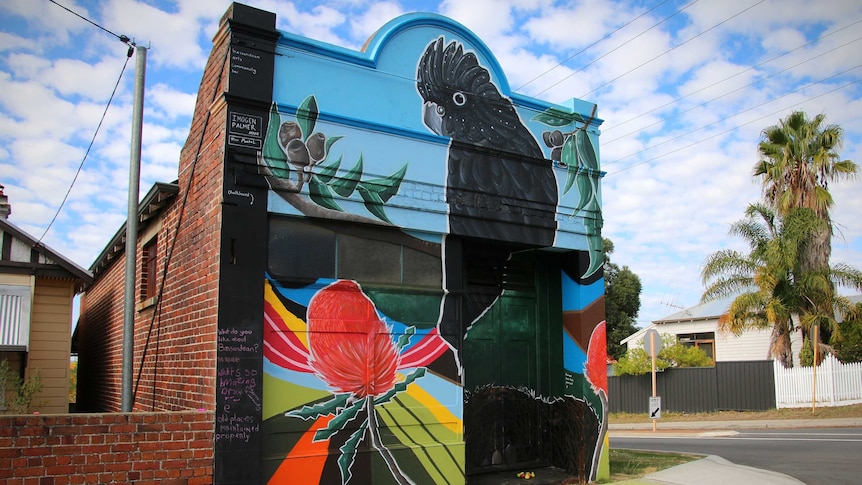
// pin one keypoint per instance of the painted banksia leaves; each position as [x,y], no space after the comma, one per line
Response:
[575,152]
[293,150]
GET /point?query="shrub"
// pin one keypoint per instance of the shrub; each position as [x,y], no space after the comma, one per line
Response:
[16,394]
[673,354]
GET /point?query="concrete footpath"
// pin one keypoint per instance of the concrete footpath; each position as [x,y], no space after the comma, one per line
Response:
[714,470]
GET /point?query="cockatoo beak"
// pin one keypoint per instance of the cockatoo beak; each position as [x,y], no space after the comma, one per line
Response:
[432,118]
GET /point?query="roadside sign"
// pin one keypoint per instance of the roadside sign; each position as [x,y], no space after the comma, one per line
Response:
[655,407]
[652,342]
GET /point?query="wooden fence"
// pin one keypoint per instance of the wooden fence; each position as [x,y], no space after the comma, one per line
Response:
[837,384]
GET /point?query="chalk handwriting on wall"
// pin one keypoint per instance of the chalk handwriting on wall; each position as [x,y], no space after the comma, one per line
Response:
[237,386]
[245,130]
[244,61]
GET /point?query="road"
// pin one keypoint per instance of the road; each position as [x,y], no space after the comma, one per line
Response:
[815,456]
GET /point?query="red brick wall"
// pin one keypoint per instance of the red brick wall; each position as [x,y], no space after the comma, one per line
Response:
[100,335]
[140,448]
[178,345]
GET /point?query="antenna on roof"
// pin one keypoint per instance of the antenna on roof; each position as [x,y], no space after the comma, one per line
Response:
[672,304]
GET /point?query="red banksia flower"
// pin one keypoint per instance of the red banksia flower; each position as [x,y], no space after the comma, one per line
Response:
[350,347]
[597,359]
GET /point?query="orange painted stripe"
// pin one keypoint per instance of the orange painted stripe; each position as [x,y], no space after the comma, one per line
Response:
[304,464]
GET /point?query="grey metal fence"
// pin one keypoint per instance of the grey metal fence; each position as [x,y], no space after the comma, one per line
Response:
[739,386]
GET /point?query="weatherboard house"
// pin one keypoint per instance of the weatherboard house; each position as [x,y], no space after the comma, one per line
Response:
[697,326]
[375,267]
[37,287]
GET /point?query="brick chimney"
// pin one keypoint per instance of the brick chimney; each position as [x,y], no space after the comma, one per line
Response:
[5,206]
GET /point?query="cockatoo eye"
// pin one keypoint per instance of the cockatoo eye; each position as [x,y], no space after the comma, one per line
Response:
[459,98]
[441,110]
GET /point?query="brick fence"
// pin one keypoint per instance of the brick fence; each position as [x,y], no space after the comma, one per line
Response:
[139,448]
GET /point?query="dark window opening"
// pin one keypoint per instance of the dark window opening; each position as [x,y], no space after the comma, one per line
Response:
[302,251]
[149,260]
[703,340]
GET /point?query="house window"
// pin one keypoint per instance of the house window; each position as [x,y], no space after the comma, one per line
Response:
[149,258]
[14,317]
[703,340]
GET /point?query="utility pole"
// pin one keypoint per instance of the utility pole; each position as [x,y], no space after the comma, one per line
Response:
[132,227]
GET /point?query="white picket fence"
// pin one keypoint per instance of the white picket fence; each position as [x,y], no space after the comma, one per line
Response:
[837,384]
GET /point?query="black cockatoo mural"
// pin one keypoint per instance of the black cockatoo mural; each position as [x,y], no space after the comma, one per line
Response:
[499,186]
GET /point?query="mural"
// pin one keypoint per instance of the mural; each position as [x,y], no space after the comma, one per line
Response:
[499,186]
[295,155]
[575,152]
[368,381]
[596,374]
[359,382]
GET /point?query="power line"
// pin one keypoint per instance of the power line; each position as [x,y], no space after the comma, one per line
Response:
[816,57]
[673,48]
[731,129]
[617,47]
[744,111]
[610,128]
[122,38]
[89,147]
[592,45]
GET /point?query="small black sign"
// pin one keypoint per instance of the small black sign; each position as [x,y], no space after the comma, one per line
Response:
[245,130]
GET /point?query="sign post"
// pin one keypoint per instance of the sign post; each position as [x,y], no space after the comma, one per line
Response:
[652,345]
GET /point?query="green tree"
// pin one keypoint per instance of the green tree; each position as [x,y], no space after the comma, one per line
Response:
[771,287]
[73,381]
[636,361]
[798,159]
[763,279]
[18,395]
[622,302]
[848,343]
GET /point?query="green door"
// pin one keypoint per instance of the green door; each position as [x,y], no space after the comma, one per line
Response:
[500,363]
[500,348]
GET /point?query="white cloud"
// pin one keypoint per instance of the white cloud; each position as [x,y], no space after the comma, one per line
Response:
[174,40]
[593,20]
[364,25]
[168,102]
[678,142]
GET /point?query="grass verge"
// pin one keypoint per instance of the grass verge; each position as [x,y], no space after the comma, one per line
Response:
[853,411]
[631,464]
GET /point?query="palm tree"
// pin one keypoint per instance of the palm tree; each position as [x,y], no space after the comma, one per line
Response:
[798,159]
[772,289]
[763,279]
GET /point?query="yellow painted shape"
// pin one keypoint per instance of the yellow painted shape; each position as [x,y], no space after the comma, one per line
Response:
[441,450]
[441,413]
[280,396]
[604,471]
[294,324]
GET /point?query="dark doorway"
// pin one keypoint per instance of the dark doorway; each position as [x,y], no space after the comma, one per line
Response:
[509,348]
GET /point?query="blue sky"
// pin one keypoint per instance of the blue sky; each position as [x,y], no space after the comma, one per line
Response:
[684,88]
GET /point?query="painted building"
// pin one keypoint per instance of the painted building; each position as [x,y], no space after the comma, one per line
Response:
[376,267]
[37,286]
